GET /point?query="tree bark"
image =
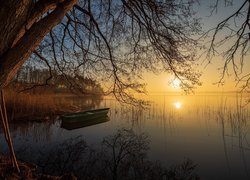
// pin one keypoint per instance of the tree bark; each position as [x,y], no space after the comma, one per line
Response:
[13,14]
[24,32]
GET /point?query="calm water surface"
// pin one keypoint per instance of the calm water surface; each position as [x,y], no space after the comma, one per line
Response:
[212,130]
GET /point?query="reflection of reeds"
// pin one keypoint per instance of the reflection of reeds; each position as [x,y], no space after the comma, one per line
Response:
[236,117]
[237,120]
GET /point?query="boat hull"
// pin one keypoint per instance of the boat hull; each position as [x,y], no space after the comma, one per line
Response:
[81,124]
[84,116]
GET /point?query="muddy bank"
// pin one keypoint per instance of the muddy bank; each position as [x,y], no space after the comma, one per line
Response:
[27,171]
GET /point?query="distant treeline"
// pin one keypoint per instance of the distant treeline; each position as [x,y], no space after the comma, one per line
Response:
[36,80]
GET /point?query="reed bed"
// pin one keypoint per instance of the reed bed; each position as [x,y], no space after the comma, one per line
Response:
[36,107]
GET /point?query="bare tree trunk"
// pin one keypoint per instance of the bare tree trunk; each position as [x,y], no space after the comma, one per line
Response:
[23,28]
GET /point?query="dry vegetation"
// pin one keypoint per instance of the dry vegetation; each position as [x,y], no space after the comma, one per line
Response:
[36,107]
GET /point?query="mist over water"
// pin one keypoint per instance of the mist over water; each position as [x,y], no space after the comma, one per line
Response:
[212,130]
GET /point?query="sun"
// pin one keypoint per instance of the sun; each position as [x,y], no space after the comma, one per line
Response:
[177,104]
[176,83]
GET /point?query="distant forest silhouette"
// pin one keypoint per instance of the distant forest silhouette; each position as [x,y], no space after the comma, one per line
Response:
[36,80]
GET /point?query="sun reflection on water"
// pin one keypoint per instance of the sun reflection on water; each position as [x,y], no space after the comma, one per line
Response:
[177,104]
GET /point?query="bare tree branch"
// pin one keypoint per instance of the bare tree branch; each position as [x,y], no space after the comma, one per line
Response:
[234,32]
[115,42]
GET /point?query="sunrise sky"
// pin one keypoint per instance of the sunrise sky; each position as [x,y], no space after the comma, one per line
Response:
[210,72]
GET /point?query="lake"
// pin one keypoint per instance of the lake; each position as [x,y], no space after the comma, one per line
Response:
[212,130]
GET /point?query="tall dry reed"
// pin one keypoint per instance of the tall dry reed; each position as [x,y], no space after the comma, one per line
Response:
[27,106]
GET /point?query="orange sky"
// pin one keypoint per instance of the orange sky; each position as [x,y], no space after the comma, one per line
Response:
[211,74]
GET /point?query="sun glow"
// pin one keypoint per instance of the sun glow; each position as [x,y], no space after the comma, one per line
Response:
[177,104]
[176,83]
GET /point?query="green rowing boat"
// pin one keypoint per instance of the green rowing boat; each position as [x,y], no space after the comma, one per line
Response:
[84,116]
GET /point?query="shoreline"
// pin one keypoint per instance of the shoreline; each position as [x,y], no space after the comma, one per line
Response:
[28,171]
